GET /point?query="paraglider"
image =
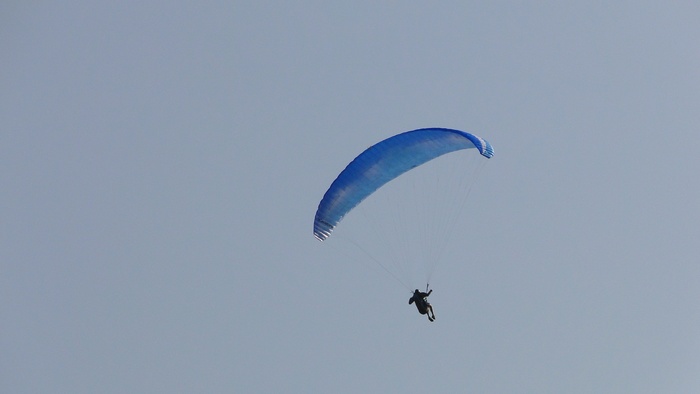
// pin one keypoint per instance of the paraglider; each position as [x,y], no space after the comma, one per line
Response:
[421,300]
[382,163]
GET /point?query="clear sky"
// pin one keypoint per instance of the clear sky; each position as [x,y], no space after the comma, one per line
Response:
[161,163]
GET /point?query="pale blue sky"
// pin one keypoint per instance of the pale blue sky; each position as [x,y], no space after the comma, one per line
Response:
[161,164]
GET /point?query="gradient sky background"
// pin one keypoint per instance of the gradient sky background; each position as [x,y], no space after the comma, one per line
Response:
[161,163]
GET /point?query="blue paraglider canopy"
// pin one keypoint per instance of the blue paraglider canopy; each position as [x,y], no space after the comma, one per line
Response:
[383,162]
